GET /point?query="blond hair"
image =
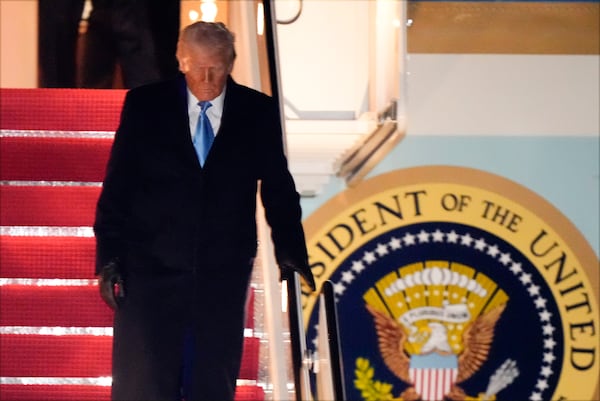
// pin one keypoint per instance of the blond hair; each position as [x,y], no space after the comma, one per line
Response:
[211,34]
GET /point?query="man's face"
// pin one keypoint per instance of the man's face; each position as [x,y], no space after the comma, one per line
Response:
[205,70]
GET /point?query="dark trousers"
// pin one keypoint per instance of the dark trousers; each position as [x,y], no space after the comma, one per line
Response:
[58,31]
[173,320]
[139,36]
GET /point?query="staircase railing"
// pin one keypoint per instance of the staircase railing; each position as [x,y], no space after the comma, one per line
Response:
[300,358]
[330,374]
[327,369]
[326,363]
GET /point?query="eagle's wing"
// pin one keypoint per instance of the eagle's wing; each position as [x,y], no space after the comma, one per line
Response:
[391,344]
[477,340]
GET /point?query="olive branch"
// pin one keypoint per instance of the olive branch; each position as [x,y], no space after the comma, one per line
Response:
[371,390]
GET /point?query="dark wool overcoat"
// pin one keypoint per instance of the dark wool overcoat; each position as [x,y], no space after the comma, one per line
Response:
[185,236]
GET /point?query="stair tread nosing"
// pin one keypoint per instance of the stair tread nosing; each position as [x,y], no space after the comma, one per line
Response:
[24,392]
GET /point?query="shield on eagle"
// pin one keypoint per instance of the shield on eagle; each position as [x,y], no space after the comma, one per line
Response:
[435,325]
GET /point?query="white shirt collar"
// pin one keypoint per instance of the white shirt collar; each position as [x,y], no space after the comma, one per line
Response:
[214,113]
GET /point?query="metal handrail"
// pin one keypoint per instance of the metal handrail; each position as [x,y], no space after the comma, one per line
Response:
[301,361]
[334,354]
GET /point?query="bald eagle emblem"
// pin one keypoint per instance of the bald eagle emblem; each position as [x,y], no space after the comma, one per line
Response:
[435,327]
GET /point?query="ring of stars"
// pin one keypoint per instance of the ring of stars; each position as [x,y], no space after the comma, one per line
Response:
[395,244]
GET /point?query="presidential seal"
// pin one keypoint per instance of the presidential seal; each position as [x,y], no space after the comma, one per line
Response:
[456,284]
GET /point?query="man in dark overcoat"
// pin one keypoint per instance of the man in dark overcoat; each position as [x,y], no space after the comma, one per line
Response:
[176,229]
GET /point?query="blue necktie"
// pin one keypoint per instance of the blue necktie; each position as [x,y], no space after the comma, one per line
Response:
[204,135]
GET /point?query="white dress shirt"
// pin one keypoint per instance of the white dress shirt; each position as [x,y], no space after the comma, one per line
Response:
[213,113]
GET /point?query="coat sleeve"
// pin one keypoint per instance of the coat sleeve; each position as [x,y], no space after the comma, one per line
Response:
[113,204]
[280,197]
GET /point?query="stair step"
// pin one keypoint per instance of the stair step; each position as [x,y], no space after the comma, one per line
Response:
[56,356]
[81,356]
[249,365]
[47,257]
[60,109]
[53,306]
[249,393]
[93,393]
[53,159]
[63,206]
[75,306]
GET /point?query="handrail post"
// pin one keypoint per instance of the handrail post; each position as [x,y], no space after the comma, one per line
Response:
[298,339]
[333,338]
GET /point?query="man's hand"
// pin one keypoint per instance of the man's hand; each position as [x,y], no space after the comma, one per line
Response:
[110,282]
[287,270]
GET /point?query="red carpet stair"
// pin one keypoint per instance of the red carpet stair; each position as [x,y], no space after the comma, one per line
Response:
[55,332]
